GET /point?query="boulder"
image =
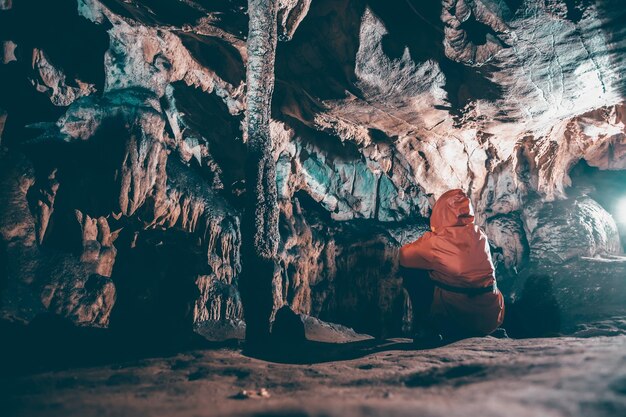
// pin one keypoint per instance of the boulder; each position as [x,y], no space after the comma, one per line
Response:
[578,294]
[559,231]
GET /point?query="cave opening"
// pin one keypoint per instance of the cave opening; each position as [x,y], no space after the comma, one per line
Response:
[604,186]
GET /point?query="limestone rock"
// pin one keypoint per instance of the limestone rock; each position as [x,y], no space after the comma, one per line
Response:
[38,281]
[564,230]
[596,136]
[52,81]
[320,331]
[343,272]
[8,52]
[580,293]
[20,253]
[507,233]
[458,16]
[85,302]
[290,14]
[123,150]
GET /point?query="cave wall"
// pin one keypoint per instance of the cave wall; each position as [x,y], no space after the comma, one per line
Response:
[123,151]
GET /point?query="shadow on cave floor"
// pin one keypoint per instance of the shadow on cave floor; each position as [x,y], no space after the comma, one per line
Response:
[50,343]
[309,352]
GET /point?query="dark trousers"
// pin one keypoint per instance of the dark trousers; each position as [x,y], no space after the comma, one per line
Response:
[421,289]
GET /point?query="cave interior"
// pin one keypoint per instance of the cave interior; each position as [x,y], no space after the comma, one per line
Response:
[125,153]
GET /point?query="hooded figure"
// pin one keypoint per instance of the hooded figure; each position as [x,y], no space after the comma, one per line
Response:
[466,300]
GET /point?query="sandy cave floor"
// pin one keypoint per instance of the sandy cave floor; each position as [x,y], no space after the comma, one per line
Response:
[475,377]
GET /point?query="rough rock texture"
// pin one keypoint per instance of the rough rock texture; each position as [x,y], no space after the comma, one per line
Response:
[562,230]
[123,152]
[77,286]
[260,217]
[487,377]
[556,298]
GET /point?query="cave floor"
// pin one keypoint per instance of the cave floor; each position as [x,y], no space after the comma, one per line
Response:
[475,377]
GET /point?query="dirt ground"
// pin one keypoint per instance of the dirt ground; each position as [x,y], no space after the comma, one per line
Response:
[475,377]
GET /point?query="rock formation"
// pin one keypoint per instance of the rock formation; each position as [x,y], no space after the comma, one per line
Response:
[123,159]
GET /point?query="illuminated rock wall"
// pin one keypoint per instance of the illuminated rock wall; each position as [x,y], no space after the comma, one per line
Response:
[123,151]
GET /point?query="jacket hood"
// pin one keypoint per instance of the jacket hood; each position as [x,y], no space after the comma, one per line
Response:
[453,208]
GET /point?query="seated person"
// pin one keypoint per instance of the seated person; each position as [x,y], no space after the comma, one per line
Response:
[450,277]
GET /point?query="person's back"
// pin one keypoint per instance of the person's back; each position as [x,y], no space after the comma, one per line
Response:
[456,253]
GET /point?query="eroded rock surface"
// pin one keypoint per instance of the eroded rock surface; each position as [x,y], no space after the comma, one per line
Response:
[564,230]
[123,152]
[485,376]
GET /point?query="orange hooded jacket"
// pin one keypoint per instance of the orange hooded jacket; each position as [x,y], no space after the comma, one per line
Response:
[456,253]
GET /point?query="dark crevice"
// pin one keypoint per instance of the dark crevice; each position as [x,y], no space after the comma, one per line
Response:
[4,269]
[379,137]
[391,47]
[156,12]
[536,313]
[217,55]
[318,59]
[24,106]
[420,29]
[207,115]
[71,42]
[312,207]
[513,5]
[222,5]
[154,275]
[229,14]
[426,163]
[465,84]
[576,9]
[329,144]
[479,33]
[290,284]
[80,173]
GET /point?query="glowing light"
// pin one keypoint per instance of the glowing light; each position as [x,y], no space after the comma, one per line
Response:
[621,210]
